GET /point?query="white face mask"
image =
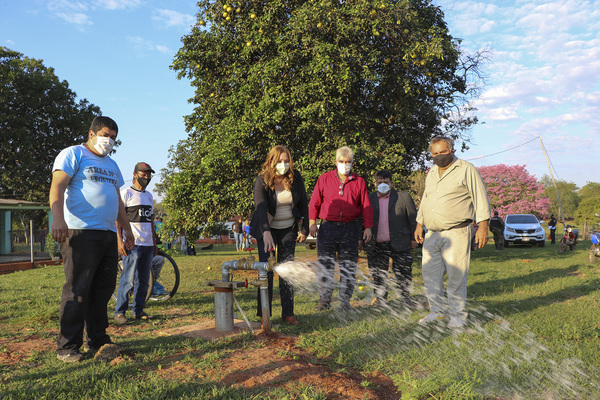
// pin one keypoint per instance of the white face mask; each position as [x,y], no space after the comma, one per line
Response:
[383,188]
[103,145]
[344,169]
[282,168]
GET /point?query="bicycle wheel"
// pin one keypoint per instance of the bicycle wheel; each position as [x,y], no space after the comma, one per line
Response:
[130,294]
[165,279]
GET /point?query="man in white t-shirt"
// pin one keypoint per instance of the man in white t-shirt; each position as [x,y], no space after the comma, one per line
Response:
[138,261]
[85,202]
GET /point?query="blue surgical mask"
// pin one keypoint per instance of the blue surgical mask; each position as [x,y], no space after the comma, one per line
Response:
[383,188]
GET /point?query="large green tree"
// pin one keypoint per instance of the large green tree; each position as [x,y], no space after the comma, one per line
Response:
[382,77]
[569,197]
[39,116]
[590,189]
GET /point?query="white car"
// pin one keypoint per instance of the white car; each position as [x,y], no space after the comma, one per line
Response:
[523,229]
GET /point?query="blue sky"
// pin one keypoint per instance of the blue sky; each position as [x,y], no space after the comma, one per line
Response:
[543,77]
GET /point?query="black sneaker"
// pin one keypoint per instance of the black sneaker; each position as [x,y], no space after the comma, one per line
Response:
[70,357]
[143,316]
[89,349]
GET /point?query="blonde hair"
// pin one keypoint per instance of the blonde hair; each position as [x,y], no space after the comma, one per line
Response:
[269,171]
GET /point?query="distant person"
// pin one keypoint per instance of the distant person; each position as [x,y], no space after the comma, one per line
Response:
[158,262]
[280,204]
[247,235]
[238,233]
[43,233]
[497,228]
[85,203]
[552,227]
[157,225]
[339,199]
[183,241]
[455,197]
[394,215]
[138,261]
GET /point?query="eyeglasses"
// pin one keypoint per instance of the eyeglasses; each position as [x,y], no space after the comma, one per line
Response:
[341,190]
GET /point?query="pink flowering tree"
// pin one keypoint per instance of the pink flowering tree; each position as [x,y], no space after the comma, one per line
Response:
[513,190]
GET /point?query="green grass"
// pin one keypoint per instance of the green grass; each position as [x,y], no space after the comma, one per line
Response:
[533,334]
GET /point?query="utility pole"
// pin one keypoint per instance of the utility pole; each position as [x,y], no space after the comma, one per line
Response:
[562,217]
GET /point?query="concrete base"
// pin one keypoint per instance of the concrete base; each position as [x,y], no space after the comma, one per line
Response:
[207,330]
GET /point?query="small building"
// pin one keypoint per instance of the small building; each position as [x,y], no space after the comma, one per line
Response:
[12,259]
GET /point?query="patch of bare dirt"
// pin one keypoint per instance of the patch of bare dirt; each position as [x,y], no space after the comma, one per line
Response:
[275,361]
[271,361]
[15,352]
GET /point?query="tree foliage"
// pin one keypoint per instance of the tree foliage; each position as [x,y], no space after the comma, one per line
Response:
[512,190]
[381,77]
[569,196]
[587,210]
[39,116]
[590,189]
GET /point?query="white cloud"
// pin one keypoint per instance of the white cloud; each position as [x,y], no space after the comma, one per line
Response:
[501,114]
[170,18]
[163,49]
[143,45]
[77,11]
[117,4]
[73,12]
[75,18]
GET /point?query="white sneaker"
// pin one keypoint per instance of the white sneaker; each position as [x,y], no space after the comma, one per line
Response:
[431,317]
[456,323]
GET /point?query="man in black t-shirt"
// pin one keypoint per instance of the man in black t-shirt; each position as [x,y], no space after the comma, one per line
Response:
[497,228]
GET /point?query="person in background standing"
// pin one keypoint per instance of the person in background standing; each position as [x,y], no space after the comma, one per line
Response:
[138,204]
[497,228]
[247,235]
[552,227]
[238,233]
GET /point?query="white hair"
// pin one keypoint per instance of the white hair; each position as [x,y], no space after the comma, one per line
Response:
[344,152]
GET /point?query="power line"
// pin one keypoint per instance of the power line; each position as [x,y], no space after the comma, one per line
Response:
[512,148]
[503,151]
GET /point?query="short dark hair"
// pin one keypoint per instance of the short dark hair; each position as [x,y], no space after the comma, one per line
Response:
[384,174]
[446,139]
[101,121]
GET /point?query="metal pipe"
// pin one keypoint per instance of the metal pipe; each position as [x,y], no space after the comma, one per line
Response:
[244,264]
[262,282]
[223,309]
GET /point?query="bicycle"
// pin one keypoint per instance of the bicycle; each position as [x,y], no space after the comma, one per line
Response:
[163,282]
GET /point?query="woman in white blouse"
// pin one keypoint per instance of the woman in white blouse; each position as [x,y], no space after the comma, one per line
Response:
[280,205]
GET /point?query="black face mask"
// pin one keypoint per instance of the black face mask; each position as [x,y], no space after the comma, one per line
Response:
[143,181]
[443,160]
